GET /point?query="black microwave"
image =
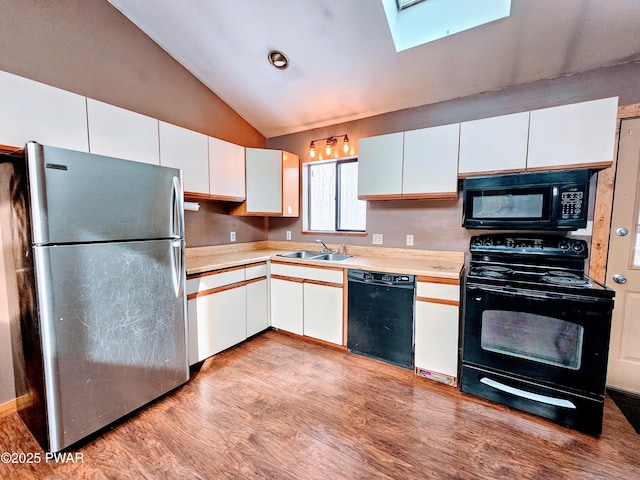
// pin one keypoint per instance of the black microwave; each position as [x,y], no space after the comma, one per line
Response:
[527,201]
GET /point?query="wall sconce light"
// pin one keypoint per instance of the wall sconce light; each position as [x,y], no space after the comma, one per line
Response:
[330,144]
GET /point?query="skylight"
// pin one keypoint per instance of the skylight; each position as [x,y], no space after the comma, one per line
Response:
[402,4]
[429,20]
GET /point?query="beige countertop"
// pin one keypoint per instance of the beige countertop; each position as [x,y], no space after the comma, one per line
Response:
[410,261]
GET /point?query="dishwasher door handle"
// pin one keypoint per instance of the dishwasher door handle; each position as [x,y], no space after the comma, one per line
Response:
[377,282]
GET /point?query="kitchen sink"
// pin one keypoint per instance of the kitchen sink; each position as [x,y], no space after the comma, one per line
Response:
[299,254]
[330,257]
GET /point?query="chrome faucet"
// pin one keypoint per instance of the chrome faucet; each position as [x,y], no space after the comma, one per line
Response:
[344,249]
[325,249]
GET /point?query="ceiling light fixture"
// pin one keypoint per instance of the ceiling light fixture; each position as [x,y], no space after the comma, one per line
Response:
[330,143]
[278,59]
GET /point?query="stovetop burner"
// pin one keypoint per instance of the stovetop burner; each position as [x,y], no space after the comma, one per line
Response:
[549,264]
[494,271]
[564,278]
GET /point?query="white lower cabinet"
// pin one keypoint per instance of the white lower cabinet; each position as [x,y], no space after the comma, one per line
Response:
[323,312]
[257,298]
[286,305]
[221,322]
[225,307]
[436,330]
[308,301]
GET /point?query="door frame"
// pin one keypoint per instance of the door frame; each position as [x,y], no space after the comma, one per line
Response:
[604,203]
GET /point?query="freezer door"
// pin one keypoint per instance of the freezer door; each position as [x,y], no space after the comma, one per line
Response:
[113,331]
[78,197]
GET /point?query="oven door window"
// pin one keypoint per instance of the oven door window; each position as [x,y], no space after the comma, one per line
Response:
[533,337]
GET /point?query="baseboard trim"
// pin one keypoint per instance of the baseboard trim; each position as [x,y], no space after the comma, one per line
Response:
[7,408]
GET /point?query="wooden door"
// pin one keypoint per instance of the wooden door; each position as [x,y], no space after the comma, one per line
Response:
[624,263]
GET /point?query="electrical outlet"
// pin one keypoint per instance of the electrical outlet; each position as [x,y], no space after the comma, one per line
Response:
[376,239]
[409,240]
[288,234]
[232,236]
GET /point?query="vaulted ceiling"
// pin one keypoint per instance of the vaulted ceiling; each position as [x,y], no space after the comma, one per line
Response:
[343,64]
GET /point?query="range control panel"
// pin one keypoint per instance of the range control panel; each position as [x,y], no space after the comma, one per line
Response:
[547,245]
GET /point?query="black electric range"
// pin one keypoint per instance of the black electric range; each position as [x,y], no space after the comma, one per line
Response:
[536,329]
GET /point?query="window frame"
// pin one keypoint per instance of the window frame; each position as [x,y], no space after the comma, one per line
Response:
[308,193]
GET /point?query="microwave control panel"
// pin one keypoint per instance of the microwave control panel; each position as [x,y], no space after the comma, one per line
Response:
[572,202]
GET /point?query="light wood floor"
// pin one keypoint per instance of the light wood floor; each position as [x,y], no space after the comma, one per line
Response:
[282,407]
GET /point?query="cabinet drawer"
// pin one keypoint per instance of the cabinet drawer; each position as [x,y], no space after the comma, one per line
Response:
[255,271]
[308,273]
[215,280]
[440,291]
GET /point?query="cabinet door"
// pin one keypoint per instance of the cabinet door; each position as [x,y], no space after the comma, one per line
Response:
[431,162]
[257,307]
[290,185]
[494,144]
[221,320]
[119,133]
[286,305]
[580,134]
[226,170]
[436,337]
[380,165]
[323,312]
[35,111]
[264,181]
[192,315]
[189,151]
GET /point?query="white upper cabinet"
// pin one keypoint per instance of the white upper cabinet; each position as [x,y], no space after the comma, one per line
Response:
[580,134]
[226,170]
[264,180]
[272,182]
[380,165]
[430,166]
[120,133]
[35,111]
[416,164]
[189,151]
[496,144]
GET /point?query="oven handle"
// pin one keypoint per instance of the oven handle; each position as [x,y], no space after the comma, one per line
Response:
[509,293]
[536,397]
[518,293]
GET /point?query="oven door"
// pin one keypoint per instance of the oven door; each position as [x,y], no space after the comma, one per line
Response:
[561,341]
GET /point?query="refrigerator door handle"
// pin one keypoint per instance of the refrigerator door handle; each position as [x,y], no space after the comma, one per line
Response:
[178,267]
[177,209]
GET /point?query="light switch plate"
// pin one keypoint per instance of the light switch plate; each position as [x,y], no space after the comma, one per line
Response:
[376,239]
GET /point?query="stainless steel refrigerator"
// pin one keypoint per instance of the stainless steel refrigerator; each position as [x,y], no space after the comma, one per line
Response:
[100,268]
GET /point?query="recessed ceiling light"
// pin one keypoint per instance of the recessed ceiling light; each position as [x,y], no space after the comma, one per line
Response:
[278,59]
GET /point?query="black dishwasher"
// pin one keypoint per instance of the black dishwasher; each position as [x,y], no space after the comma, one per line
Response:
[380,316]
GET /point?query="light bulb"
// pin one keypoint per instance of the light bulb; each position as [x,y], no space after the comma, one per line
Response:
[345,144]
[312,150]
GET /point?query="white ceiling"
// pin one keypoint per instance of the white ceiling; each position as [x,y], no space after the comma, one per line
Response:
[343,62]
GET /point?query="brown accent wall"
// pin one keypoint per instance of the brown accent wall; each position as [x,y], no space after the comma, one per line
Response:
[435,224]
[88,47]
[212,224]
